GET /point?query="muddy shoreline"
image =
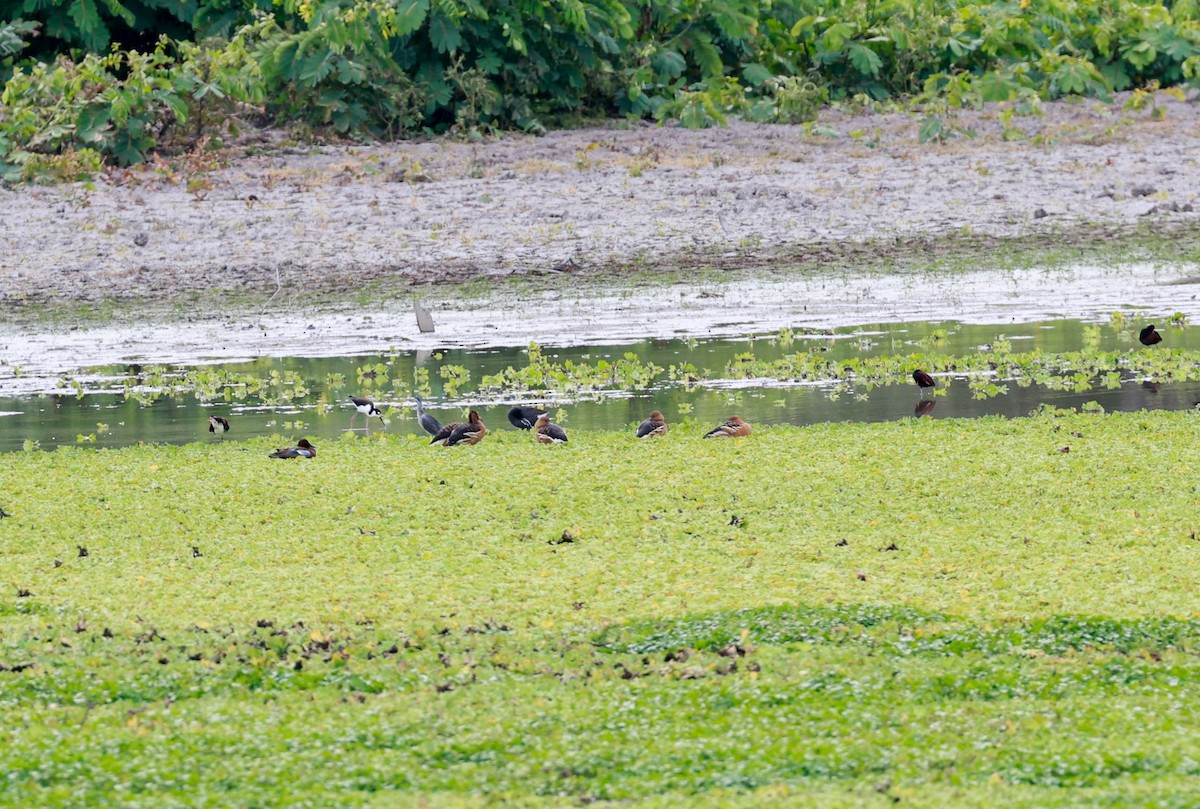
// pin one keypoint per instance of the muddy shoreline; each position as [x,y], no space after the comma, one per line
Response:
[600,202]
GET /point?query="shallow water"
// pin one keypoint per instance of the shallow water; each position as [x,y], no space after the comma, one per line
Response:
[99,413]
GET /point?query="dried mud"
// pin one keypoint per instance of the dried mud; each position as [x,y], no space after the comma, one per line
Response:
[607,224]
[591,200]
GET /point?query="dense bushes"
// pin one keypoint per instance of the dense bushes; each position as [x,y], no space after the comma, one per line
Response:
[385,67]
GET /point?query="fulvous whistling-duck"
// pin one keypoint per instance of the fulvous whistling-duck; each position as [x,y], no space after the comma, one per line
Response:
[470,433]
[548,433]
[734,428]
[652,426]
[523,418]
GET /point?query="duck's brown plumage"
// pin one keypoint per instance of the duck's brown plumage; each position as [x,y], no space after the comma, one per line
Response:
[653,426]
[443,435]
[470,433]
[548,433]
[734,428]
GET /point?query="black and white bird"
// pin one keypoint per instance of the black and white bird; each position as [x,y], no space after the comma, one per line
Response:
[367,408]
[523,418]
[428,423]
[218,425]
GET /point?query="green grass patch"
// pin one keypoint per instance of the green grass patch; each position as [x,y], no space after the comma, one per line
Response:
[940,612]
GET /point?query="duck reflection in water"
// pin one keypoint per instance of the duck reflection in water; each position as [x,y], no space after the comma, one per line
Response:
[924,408]
[1153,387]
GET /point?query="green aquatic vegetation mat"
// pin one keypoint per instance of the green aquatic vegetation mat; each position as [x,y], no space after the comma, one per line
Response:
[930,612]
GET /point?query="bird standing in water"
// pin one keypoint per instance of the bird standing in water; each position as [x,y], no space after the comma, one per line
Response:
[218,425]
[470,433]
[523,418]
[548,433]
[653,426]
[1148,336]
[924,381]
[428,423]
[734,428]
[367,408]
[303,449]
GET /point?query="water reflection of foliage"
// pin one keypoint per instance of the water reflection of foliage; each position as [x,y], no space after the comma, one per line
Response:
[569,376]
[215,384]
[1074,370]
[988,372]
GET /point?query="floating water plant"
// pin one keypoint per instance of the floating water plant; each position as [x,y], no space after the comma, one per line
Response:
[949,612]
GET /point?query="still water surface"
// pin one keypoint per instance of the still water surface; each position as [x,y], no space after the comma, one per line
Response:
[105,417]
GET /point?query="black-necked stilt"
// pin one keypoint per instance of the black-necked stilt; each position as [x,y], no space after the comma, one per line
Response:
[367,408]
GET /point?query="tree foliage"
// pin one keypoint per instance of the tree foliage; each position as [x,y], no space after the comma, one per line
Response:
[386,67]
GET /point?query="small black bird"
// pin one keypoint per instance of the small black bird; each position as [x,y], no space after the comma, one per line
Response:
[303,449]
[1149,336]
[367,408]
[523,418]
[428,423]
[218,424]
[923,380]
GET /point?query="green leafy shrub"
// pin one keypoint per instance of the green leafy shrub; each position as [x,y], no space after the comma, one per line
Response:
[73,25]
[118,106]
[795,100]
[217,80]
[14,37]
[52,109]
[330,63]
[382,68]
[510,63]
